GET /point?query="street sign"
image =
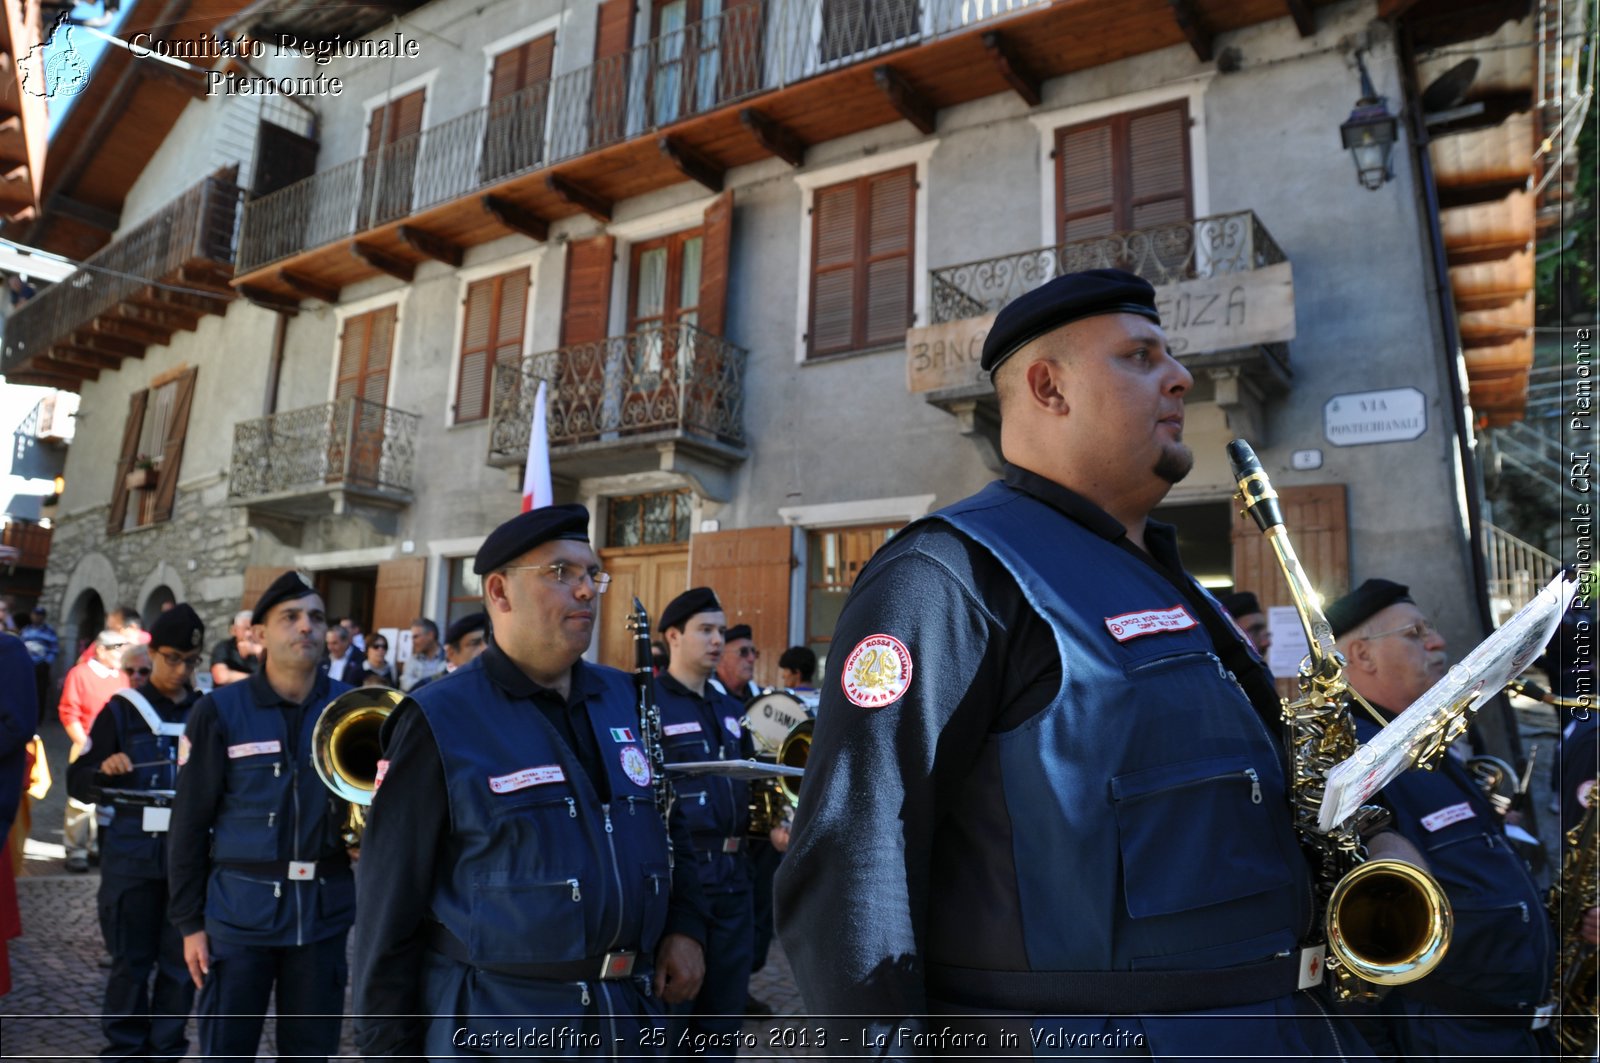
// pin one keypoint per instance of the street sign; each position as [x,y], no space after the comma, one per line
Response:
[1391,416]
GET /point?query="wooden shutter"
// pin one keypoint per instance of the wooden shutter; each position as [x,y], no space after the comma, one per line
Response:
[1087,204]
[739,71]
[613,38]
[172,448]
[862,255]
[890,231]
[833,279]
[1129,171]
[491,335]
[364,352]
[521,67]
[399,593]
[130,447]
[750,569]
[715,247]
[586,309]
[1158,166]
[257,578]
[396,120]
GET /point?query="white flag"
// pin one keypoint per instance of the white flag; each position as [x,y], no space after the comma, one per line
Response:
[536,480]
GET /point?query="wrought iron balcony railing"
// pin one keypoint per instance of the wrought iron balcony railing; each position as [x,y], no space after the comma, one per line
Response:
[195,228]
[673,379]
[1165,254]
[342,444]
[749,49]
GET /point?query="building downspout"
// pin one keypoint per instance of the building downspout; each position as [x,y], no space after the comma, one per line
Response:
[280,336]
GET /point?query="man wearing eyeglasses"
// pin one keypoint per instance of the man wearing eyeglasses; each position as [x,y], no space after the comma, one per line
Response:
[515,868]
[130,762]
[1483,1001]
[737,669]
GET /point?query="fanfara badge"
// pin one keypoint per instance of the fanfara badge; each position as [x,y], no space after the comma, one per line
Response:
[877,671]
[635,765]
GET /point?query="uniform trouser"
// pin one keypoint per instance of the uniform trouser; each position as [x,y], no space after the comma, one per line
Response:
[78,831]
[138,1020]
[310,982]
[719,1009]
[764,860]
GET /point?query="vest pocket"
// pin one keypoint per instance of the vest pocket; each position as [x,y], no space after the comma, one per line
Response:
[243,902]
[515,921]
[657,896]
[1195,834]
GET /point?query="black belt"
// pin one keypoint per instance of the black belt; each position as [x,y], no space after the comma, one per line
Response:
[610,967]
[1112,992]
[280,868]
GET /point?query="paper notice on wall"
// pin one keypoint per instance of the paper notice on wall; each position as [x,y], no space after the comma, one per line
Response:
[399,643]
[1289,645]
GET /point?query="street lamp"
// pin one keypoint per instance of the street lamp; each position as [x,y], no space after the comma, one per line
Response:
[1370,133]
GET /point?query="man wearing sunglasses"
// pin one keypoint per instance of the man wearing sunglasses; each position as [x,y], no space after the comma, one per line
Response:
[130,762]
[514,861]
[1483,1001]
[84,691]
[737,669]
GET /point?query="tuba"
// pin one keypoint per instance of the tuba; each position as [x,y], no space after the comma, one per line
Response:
[780,724]
[346,752]
[1385,922]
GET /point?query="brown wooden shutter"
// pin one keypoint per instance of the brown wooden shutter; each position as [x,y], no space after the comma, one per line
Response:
[739,71]
[396,120]
[172,447]
[257,578]
[890,231]
[1087,204]
[833,279]
[130,447]
[1129,171]
[399,592]
[586,310]
[862,256]
[613,38]
[364,352]
[491,334]
[750,570]
[716,245]
[1158,166]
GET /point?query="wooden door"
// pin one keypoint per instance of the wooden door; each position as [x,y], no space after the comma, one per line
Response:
[750,569]
[257,578]
[656,575]
[519,90]
[355,453]
[398,598]
[393,137]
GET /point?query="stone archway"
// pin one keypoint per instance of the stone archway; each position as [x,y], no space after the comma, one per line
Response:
[80,623]
[93,574]
[163,586]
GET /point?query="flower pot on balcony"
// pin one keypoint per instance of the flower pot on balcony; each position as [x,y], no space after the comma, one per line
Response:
[138,479]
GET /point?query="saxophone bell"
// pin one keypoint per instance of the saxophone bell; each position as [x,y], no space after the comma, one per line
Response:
[346,751]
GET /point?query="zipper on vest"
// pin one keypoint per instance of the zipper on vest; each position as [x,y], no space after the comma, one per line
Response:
[572,808]
[583,987]
[607,810]
[1255,786]
[277,769]
[630,805]
[616,872]
[577,895]
[270,817]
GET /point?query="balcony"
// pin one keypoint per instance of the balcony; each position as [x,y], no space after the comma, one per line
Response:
[763,79]
[324,460]
[1224,288]
[159,278]
[24,545]
[668,399]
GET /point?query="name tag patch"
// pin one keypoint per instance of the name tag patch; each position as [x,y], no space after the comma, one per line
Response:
[680,729]
[1445,816]
[252,749]
[521,780]
[1149,622]
[377,777]
[156,820]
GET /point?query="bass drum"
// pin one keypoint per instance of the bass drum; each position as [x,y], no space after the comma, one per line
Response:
[771,717]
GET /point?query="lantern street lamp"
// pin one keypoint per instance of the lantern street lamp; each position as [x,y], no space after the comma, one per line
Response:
[1370,133]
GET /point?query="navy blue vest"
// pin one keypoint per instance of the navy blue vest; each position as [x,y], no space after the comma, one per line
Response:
[275,809]
[715,807]
[125,846]
[538,869]
[1152,826]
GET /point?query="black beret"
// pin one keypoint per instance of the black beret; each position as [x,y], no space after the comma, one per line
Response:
[691,602]
[286,588]
[1240,603]
[464,626]
[1365,601]
[737,631]
[179,627]
[526,530]
[1064,300]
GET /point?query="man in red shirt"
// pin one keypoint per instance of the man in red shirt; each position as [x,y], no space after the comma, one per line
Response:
[87,687]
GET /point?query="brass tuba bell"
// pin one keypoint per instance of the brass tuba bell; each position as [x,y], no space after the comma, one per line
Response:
[780,724]
[345,749]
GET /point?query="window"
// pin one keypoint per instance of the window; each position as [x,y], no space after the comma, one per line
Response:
[355,450]
[466,591]
[391,159]
[649,520]
[146,484]
[861,255]
[519,89]
[491,335]
[665,281]
[836,556]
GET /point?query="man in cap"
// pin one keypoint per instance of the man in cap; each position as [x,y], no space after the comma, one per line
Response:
[737,669]
[261,883]
[1034,740]
[85,689]
[1483,999]
[130,763]
[514,860]
[1246,611]
[701,723]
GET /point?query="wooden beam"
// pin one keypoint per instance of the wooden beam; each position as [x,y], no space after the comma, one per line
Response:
[10,126]
[132,330]
[308,286]
[164,318]
[379,259]
[435,247]
[911,104]
[57,362]
[516,218]
[201,276]
[96,217]
[1305,19]
[111,346]
[1468,256]
[582,198]
[690,163]
[1394,8]
[170,316]
[1015,74]
[774,137]
[1468,195]
[268,299]
[1188,20]
[192,302]
[73,354]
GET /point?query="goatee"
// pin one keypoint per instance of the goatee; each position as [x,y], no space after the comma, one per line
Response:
[1174,463]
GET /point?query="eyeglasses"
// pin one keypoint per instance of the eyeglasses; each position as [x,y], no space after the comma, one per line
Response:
[179,660]
[1418,631]
[750,652]
[143,670]
[377,645]
[570,574]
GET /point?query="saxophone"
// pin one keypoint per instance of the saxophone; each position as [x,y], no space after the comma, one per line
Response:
[1574,893]
[1385,922]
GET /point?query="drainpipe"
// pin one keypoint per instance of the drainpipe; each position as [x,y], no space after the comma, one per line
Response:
[280,334]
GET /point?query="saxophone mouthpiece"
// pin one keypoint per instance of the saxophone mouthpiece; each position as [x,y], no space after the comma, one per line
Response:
[1255,490]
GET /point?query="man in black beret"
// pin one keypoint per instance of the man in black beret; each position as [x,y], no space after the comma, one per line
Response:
[1037,726]
[130,762]
[514,860]
[1483,998]
[736,671]
[1251,618]
[261,882]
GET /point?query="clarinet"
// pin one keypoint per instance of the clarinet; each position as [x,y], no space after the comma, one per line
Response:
[650,718]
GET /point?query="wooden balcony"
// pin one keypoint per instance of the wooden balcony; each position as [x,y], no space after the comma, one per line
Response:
[327,459]
[1224,288]
[668,399]
[763,79]
[159,278]
[24,545]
